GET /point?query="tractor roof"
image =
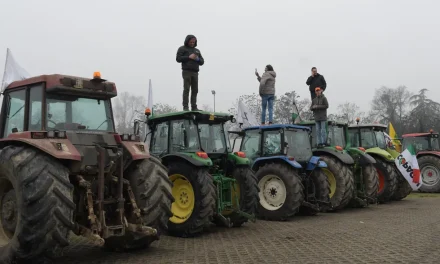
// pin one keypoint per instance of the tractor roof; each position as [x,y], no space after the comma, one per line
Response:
[369,125]
[312,122]
[198,115]
[280,126]
[418,135]
[71,84]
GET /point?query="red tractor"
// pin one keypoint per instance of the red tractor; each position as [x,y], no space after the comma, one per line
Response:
[428,156]
[63,168]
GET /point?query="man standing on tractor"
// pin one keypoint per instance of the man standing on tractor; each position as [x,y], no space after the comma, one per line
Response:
[316,80]
[191,59]
[267,92]
[319,107]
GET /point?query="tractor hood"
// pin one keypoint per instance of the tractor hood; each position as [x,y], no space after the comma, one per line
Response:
[381,153]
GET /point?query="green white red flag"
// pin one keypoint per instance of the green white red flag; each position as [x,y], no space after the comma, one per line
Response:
[408,166]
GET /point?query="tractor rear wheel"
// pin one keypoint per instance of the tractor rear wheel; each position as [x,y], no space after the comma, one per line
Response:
[371,181]
[246,191]
[152,191]
[321,186]
[403,188]
[281,191]
[387,180]
[195,199]
[430,174]
[341,181]
[36,199]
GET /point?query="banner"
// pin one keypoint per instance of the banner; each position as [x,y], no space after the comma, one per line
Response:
[13,71]
[245,117]
[408,166]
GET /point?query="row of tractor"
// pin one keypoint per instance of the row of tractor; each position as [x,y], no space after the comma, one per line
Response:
[64,169]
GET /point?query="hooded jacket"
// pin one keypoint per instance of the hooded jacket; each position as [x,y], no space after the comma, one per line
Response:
[316,81]
[319,107]
[185,51]
[267,83]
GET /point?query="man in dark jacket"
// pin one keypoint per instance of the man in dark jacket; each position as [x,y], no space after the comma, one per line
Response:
[316,80]
[319,107]
[191,59]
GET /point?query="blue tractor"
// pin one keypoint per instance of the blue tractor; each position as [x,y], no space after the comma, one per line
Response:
[289,176]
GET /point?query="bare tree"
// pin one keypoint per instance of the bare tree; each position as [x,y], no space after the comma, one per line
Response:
[348,112]
[127,108]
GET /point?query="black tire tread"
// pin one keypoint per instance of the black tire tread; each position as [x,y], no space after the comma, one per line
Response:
[322,192]
[294,195]
[47,209]
[371,181]
[390,180]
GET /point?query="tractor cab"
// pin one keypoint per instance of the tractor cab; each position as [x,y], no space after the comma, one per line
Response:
[368,136]
[277,140]
[422,141]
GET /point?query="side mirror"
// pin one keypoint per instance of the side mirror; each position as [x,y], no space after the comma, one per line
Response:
[136,128]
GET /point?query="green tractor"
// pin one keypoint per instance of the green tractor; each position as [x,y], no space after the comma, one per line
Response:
[210,183]
[366,181]
[339,169]
[371,137]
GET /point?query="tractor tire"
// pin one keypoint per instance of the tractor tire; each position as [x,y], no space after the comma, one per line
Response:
[387,180]
[403,187]
[371,181]
[341,177]
[248,194]
[152,191]
[322,192]
[36,205]
[430,174]
[195,197]
[286,190]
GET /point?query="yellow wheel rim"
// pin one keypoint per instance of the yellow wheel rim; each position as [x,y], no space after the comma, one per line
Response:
[332,181]
[235,196]
[183,194]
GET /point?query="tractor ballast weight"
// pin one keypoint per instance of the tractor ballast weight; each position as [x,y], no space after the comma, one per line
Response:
[64,168]
[290,178]
[427,150]
[211,184]
[371,137]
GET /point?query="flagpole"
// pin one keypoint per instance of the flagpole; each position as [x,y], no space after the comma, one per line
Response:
[4,72]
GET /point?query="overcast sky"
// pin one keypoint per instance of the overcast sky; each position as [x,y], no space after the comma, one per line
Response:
[357,45]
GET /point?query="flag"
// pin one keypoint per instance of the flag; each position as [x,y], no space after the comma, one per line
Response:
[295,113]
[149,105]
[408,166]
[394,137]
[13,71]
[245,117]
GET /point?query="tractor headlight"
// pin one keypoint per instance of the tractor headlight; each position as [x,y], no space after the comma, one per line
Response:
[124,137]
[51,134]
[133,137]
[62,134]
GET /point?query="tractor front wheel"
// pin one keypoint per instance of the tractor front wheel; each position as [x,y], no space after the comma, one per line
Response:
[195,198]
[387,180]
[403,187]
[430,174]
[36,199]
[246,192]
[281,191]
[341,181]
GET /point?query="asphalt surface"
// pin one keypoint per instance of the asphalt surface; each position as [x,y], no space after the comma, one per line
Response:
[407,231]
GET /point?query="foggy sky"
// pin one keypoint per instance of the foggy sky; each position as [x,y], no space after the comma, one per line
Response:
[357,45]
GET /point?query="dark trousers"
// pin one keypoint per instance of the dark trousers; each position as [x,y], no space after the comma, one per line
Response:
[312,94]
[190,80]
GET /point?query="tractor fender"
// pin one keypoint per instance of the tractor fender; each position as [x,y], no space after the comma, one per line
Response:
[426,153]
[343,156]
[315,161]
[56,147]
[137,150]
[260,161]
[188,157]
[378,152]
[365,159]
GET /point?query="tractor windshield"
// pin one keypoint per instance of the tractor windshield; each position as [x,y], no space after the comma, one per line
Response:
[367,140]
[421,143]
[184,136]
[336,136]
[76,113]
[250,144]
[213,138]
[380,139]
[298,145]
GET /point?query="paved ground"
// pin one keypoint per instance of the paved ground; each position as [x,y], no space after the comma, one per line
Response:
[400,232]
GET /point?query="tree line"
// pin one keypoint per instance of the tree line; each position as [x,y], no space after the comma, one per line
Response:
[408,111]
